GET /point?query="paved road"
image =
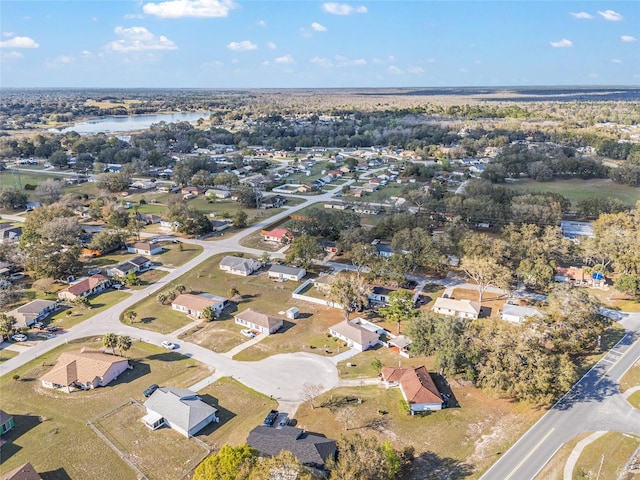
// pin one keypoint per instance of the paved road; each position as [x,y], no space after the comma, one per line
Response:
[593,404]
[270,376]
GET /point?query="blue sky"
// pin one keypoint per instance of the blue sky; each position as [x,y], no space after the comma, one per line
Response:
[303,43]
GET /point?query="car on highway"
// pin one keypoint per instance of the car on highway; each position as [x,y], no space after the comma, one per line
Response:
[150,389]
[270,418]
[169,345]
[247,333]
[19,337]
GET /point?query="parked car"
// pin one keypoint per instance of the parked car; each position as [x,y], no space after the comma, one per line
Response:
[247,333]
[270,418]
[169,345]
[284,420]
[51,328]
[19,337]
[38,325]
[94,271]
[149,390]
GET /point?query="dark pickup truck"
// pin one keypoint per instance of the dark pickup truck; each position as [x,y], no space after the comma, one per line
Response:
[270,418]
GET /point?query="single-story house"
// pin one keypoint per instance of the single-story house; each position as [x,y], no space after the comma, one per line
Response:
[32,312]
[311,449]
[370,187]
[6,422]
[135,265]
[416,385]
[457,308]
[380,295]
[180,409]
[143,184]
[328,246]
[240,266]
[577,231]
[219,225]
[23,472]
[335,204]
[84,369]
[578,277]
[190,191]
[275,201]
[218,193]
[259,321]
[357,333]
[283,272]
[280,235]
[194,305]
[402,343]
[144,248]
[517,314]
[85,287]
[384,249]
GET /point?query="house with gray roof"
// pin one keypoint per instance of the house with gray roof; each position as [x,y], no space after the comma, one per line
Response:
[32,312]
[180,409]
[135,265]
[312,449]
[240,266]
[258,321]
[357,333]
[284,272]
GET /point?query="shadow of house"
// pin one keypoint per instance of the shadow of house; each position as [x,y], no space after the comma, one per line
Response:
[57,474]
[139,370]
[223,414]
[21,425]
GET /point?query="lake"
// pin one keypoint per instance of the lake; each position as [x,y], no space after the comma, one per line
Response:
[129,123]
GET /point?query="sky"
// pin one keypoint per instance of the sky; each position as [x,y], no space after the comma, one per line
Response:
[310,44]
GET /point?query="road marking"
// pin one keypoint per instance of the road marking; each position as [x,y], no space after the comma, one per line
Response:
[617,360]
[530,453]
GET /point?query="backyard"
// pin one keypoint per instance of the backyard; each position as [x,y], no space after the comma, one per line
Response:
[50,426]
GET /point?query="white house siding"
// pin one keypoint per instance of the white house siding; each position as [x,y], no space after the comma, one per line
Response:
[113,372]
[423,407]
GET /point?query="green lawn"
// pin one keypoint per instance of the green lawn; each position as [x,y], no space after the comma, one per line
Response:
[605,457]
[176,254]
[50,426]
[69,317]
[577,189]
[7,355]
[634,399]
[631,378]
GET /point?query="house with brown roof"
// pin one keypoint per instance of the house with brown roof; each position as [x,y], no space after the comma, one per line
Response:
[85,287]
[457,308]
[357,333]
[84,369]
[23,472]
[144,248]
[194,305]
[416,385]
[259,321]
[32,312]
[578,277]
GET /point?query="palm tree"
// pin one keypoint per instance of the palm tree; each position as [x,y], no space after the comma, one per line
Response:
[161,298]
[130,315]
[180,288]
[110,340]
[124,343]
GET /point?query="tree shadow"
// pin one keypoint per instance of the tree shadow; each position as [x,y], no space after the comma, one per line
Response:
[57,474]
[429,466]
[21,425]
[167,357]
[146,320]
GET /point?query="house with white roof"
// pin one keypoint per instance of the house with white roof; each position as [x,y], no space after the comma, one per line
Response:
[240,266]
[518,314]
[457,308]
[194,305]
[180,409]
[357,333]
[284,272]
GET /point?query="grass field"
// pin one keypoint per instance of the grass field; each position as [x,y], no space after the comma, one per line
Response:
[7,355]
[69,317]
[631,378]
[50,427]
[605,457]
[553,470]
[577,189]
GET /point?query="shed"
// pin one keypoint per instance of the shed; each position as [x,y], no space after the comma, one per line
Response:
[292,313]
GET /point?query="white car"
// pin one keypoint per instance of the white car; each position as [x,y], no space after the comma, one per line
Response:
[247,333]
[19,337]
[168,345]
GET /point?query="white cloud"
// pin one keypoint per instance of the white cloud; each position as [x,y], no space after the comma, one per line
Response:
[323,62]
[242,46]
[581,15]
[86,53]
[190,8]
[564,43]
[318,28]
[394,70]
[611,15]
[616,60]
[305,33]
[342,8]
[133,16]
[12,55]
[261,23]
[271,45]
[415,70]
[628,38]
[342,61]
[58,61]
[284,59]
[19,42]
[137,39]
[7,34]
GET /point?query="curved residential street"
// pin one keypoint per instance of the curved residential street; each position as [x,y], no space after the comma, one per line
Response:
[593,404]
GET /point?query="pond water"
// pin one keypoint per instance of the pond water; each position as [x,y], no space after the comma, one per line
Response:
[129,123]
